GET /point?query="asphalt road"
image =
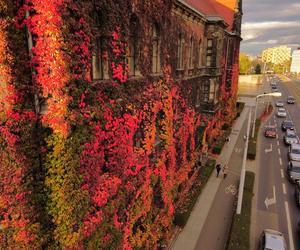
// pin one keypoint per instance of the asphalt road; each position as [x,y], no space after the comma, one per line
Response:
[276,207]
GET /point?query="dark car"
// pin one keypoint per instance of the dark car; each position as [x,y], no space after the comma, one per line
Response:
[297,193]
[293,171]
[290,99]
[287,124]
[270,131]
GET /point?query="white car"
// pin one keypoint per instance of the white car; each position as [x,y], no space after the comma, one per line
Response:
[279,104]
[281,112]
[272,240]
[290,137]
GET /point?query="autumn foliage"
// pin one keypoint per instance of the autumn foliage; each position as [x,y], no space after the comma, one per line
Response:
[101,168]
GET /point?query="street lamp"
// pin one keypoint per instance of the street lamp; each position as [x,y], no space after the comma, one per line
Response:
[243,170]
[275,94]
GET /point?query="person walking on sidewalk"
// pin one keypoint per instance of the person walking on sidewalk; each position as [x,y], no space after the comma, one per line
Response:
[225,171]
[218,168]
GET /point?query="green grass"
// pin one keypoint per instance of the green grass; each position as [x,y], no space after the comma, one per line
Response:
[251,153]
[239,238]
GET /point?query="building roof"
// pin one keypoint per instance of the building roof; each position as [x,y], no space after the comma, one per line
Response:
[222,8]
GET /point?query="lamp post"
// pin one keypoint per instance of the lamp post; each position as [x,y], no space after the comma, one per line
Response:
[243,170]
[275,94]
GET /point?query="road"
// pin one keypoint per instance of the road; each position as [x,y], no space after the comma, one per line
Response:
[275,204]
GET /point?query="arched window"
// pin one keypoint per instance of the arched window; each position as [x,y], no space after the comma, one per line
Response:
[180,51]
[191,53]
[200,53]
[97,60]
[133,48]
[156,67]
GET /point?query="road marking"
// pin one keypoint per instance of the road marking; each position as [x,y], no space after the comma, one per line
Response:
[272,200]
[283,188]
[232,189]
[277,143]
[238,150]
[281,172]
[268,150]
[279,151]
[280,161]
[288,218]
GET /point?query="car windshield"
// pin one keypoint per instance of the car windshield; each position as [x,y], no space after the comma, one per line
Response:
[288,123]
[295,151]
[291,136]
[296,169]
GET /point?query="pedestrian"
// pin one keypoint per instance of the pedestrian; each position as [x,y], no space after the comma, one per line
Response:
[218,168]
[225,171]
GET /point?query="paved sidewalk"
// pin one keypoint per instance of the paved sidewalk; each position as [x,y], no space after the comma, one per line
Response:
[188,237]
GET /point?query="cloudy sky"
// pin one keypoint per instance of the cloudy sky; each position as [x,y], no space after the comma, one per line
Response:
[270,23]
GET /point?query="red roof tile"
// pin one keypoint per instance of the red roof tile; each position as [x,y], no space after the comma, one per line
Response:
[221,8]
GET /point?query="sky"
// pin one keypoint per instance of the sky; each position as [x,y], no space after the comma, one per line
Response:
[270,23]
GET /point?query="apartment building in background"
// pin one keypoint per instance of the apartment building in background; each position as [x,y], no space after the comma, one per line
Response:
[295,66]
[276,55]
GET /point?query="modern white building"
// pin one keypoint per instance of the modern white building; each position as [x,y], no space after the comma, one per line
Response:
[277,55]
[295,65]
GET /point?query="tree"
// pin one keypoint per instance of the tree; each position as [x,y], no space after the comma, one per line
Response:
[257,69]
[245,64]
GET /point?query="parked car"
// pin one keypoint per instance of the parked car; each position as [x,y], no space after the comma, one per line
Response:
[279,104]
[281,112]
[287,124]
[270,131]
[293,171]
[297,193]
[294,152]
[290,99]
[290,137]
[272,240]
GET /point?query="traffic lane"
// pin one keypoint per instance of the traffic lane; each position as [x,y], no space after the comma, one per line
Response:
[293,88]
[290,208]
[266,209]
[268,158]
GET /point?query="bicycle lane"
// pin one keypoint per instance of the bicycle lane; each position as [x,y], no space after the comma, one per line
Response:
[217,225]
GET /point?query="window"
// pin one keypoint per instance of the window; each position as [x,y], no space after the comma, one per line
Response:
[97,60]
[206,92]
[210,53]
[180,52]
[200,53]
[191,55]
[212,90]
[155,50]
[133,47]
[198,96]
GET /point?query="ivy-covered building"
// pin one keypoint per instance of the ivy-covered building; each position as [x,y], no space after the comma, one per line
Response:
[105,108]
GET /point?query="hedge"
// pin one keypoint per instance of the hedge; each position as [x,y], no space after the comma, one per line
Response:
[183,212]
[239,238]
[251,153]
